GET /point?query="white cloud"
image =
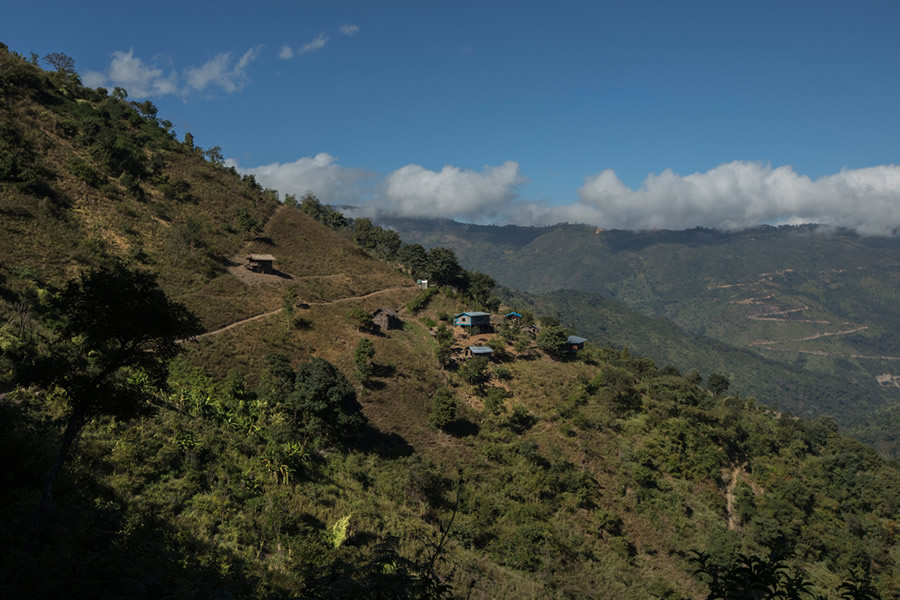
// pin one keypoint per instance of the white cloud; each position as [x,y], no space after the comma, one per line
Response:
[451,192]
[138,78]
[141,79]
[314,45]
[320,174]
[734,196]
[286,52]
[348,29]
[219,71]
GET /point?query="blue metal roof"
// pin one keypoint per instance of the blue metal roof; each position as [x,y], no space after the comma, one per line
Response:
[574,339]
[474,314]
[481,350]
[513,314]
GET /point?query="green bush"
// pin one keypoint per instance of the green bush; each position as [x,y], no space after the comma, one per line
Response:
[443,409]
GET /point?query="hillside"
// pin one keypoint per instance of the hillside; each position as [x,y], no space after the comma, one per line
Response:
[298,451]
[823,303]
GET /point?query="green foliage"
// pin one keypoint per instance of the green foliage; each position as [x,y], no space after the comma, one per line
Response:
[520,420]
[552,339]
[415,258]
[359,318]
[443,409]
[502,373]
[419,303]
[474,371]
[362,358]
[84,172]
[325,215]
[338,534]
[323,405]
[444,348]
[479,287]
[495,401]
[717,383]
[443,268]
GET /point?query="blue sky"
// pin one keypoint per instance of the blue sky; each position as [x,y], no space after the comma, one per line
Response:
[638,114]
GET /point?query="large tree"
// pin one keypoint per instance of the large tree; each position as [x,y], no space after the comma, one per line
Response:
[323,404]
[443,267]
[112,333]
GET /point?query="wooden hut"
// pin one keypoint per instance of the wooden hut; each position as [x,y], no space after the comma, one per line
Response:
[387,318]
[261,263]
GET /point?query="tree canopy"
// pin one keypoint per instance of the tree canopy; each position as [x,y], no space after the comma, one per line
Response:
[324,404]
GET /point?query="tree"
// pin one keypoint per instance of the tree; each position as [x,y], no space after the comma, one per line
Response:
[443,409]
[362,357]
[289,307]
[479,287]
[444,348]
[552,339]
[214,155]
[443,267]
[717,383]
[61,62]
[323,404]
[114,332]
[310,205]
[415,258]
[474,371]
[188,138]
[146,108]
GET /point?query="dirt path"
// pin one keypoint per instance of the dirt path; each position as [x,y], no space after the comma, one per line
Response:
[810,337]
[273,312]
[730,498]
[823,353]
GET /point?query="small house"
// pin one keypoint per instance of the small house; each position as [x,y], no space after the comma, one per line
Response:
[574,343]
[422,283]
[387,318]
[473,319]
[485,351]
[513,317]
[261,263]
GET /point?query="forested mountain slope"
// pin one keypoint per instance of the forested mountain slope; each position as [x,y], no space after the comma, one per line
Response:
[296,451]
[824,303]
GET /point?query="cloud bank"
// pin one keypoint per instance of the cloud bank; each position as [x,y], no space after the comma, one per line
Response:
[732,196]
[320,175]
[738,195]
[451,192]
[141,79]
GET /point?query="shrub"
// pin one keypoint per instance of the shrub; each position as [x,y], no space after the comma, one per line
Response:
[443,409]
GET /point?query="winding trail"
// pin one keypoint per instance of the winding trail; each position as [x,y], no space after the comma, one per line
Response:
[730,498]
[276,311]
[810,337]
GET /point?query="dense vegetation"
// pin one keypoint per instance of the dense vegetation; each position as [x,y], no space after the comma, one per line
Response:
[303,453]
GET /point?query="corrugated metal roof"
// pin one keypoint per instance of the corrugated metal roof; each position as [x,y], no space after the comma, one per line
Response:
[574,339]
[268,257]
[475,314]
[481,350]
